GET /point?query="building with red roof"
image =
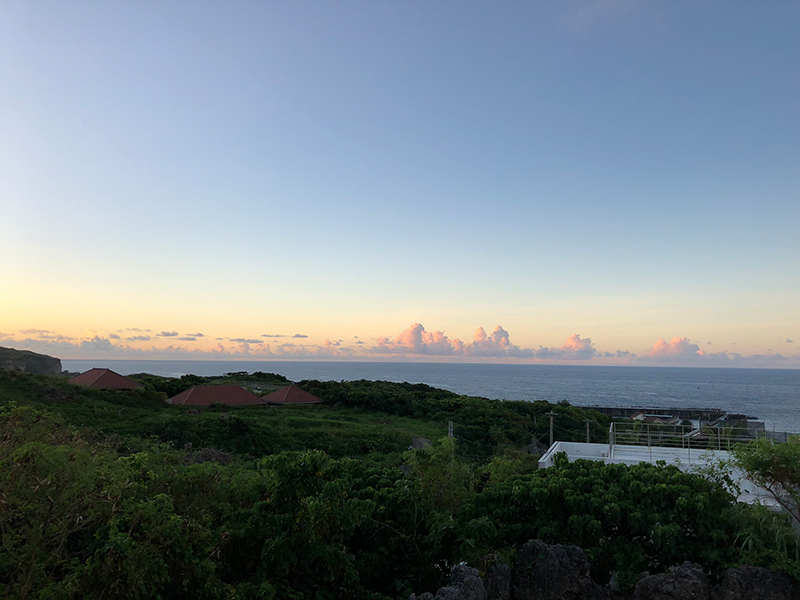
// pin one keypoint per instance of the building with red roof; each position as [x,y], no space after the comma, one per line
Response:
[291,394]
[203,395]
[105,379]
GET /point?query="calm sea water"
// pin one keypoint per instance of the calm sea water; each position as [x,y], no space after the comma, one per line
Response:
[772,395]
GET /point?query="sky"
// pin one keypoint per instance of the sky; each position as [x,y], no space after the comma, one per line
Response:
[576,182]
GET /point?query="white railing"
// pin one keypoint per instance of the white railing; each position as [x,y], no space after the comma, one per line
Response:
[705,437]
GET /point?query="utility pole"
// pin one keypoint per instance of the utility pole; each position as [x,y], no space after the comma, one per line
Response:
[587,421]
[449,429]
[551,414]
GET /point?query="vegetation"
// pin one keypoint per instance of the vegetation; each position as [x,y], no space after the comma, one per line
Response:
[101,495]
[29,362]
[776,468]
[171,386]
[249,432]
[482,427]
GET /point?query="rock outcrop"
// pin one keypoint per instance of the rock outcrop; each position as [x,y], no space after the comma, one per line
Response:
[465,584]
[687,582]
[555,572]
[497,580]
[546,572]
[29,362]
[744,583]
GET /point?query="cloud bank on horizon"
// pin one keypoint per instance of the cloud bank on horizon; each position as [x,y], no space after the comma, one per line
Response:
[415,342]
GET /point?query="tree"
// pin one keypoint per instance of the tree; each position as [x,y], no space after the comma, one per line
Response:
[627,519]
[774,467]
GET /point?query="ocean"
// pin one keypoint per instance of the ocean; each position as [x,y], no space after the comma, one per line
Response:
[771,395]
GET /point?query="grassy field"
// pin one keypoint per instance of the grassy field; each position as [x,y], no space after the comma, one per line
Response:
[248,432]
[376,420]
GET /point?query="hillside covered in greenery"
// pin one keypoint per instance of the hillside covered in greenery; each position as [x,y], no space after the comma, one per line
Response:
[119,495]
[29,362]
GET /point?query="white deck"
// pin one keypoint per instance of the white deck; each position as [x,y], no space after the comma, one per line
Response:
[689,460]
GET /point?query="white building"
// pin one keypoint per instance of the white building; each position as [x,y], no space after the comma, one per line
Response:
[689,460]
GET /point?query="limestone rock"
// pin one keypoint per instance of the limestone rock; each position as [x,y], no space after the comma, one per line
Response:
[545,572]
[465,584]
[497,580]
[687,582]
[744,583]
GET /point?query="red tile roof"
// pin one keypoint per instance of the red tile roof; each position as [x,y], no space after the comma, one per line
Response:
[203,395]
[104,379]
[290,395]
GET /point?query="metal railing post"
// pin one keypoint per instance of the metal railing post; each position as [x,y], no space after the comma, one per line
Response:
[689,445]
[611,441]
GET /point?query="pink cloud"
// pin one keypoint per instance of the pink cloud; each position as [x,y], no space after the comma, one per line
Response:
[412,342]
[679,347]
[498,344]
[417,341]
[680,351]
[575,348]
[576,345]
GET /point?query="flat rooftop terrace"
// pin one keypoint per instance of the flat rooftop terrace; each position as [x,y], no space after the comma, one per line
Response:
[688,460]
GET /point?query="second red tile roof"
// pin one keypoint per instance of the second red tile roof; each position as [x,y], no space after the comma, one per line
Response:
[291,394]
[203,395]
[104,379]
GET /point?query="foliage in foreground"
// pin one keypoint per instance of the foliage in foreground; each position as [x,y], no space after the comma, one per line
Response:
[81,519]
[776,468]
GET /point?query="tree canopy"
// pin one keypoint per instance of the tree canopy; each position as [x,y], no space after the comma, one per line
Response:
[138,513]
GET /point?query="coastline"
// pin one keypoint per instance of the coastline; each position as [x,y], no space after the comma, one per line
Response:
[773,395]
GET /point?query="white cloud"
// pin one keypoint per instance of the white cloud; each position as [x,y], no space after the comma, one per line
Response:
[97,344]
[619,354]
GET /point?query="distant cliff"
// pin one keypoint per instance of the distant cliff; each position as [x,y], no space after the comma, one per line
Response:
[29,362]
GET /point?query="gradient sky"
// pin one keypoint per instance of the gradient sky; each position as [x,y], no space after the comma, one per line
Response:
[610,182]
